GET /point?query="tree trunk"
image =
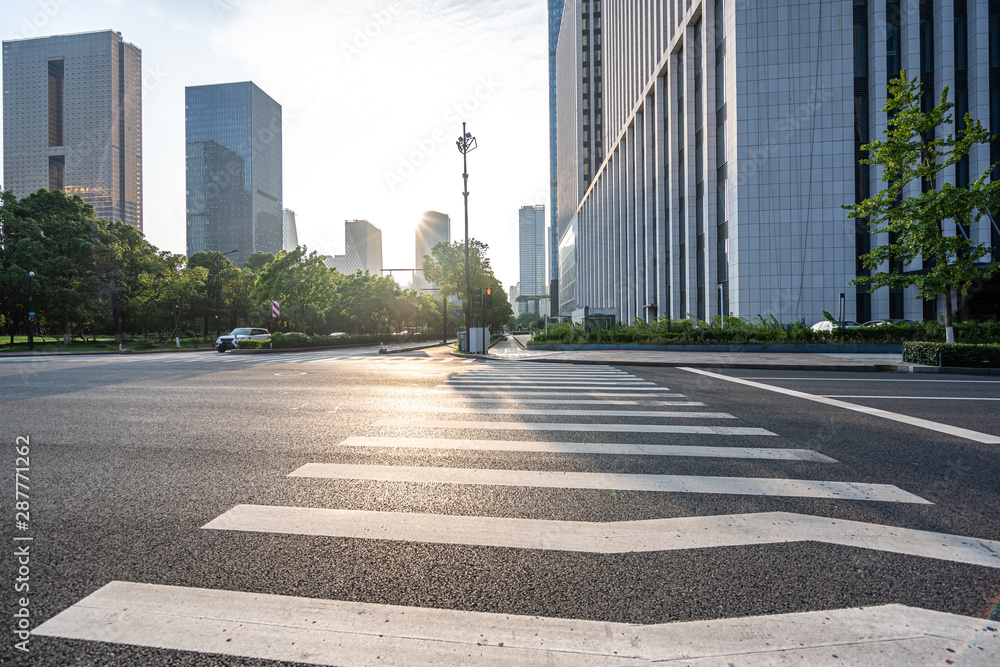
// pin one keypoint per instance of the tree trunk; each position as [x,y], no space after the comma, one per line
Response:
[949,324]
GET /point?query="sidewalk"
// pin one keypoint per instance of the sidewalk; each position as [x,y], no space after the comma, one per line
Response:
[514,350]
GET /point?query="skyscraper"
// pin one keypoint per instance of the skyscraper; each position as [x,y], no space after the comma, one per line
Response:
[580,125]
[555,21]
[531,241]
[432,229]
[289,232]
[734,137]
[234,186]
[362,249]
[72,120]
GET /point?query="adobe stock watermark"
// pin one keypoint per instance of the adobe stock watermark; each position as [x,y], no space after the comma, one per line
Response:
[425,147]
[34,23]
[21,619]
[369,31]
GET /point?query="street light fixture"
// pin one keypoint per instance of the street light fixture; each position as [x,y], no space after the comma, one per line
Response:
[466,144]
[218,289]
[31,314]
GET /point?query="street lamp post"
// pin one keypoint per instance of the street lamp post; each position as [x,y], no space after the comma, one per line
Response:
[218,289]
[466,144]
[31,314]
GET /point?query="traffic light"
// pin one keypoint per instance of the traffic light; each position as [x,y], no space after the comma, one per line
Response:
[489,298]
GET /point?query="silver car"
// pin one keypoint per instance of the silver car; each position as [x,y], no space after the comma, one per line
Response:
[223,343]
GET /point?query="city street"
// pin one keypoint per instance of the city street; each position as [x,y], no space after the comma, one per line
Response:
[347,508]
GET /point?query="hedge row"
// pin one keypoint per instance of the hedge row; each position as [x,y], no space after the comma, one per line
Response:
[959,355]
[293,340]
[743,332]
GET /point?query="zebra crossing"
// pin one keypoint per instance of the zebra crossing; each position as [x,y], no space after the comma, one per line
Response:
[328,632]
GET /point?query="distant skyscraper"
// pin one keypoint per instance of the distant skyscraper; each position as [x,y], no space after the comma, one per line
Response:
[234,187]
[362,249]
[432,229]
[72,120]
[555,21]
[531,241]
[289,234]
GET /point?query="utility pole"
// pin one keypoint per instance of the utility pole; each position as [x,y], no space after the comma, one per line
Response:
[466,144]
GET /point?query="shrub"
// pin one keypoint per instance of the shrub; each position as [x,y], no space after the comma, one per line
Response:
[253,344]
[959,355]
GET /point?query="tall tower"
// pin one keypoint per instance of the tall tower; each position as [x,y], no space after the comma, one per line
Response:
[234,186]
[555,22]
[432,229]
[362,249]
[289,232]
[531,241]
[72,120]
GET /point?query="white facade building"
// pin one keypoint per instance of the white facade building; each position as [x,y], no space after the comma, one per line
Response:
[531,242]
[289,233]
[733,132]
[362,249]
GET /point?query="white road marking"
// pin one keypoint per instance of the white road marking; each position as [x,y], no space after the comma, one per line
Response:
[652,535]
[516,394]
[591,448]
[550,426]
[875,412]
[544,401]
[654,414]
[802,379]
[543,383]
[331,632]
[732,486]
[585,387]
[921,398]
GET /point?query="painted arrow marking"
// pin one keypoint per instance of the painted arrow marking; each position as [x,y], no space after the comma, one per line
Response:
[703,532]
[331,632]
[744,486]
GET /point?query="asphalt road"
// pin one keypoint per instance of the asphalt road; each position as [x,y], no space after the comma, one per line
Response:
[131,457]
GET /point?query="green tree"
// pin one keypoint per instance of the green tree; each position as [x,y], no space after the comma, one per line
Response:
[21,251]
[445,266]
[64,277]
[177,284]
[912,153]
[368,302]
[299,281]
[121,257]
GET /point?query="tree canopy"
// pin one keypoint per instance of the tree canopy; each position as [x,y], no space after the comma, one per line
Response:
[913,157]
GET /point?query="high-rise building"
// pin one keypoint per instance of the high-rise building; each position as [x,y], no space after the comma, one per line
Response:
[72,120]
[432,229]
[531,242]
[362,249]
[555,22]
[734,132]
[580,121]
[289,233]
[234,186]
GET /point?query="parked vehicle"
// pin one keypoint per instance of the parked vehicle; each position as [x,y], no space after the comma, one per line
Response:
[229,342]
[882,323]
[827,325]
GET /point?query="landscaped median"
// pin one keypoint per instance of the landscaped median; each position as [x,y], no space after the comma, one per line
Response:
[958,355]
[297,341]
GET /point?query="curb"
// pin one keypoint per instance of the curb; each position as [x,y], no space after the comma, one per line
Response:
[286,350]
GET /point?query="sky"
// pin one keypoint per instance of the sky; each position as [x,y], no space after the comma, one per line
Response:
[373,96]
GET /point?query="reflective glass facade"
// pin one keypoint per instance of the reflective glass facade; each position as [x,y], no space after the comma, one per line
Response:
[555,21]
[234,186]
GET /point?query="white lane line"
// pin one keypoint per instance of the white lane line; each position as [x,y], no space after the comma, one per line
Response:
[654,414]
[802,379]
[731,486]
[920,398]
[503,386]
[591,448]
[543,401]
[875,412]
[330,632]
[651,535]
[549,426]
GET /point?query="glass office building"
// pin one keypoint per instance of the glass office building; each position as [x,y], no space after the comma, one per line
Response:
[233,160]
[72,120]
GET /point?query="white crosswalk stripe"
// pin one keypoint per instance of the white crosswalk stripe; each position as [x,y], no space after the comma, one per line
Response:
[253,625]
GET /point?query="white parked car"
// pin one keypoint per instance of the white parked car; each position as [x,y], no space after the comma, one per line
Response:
[223,343]
[827,325]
